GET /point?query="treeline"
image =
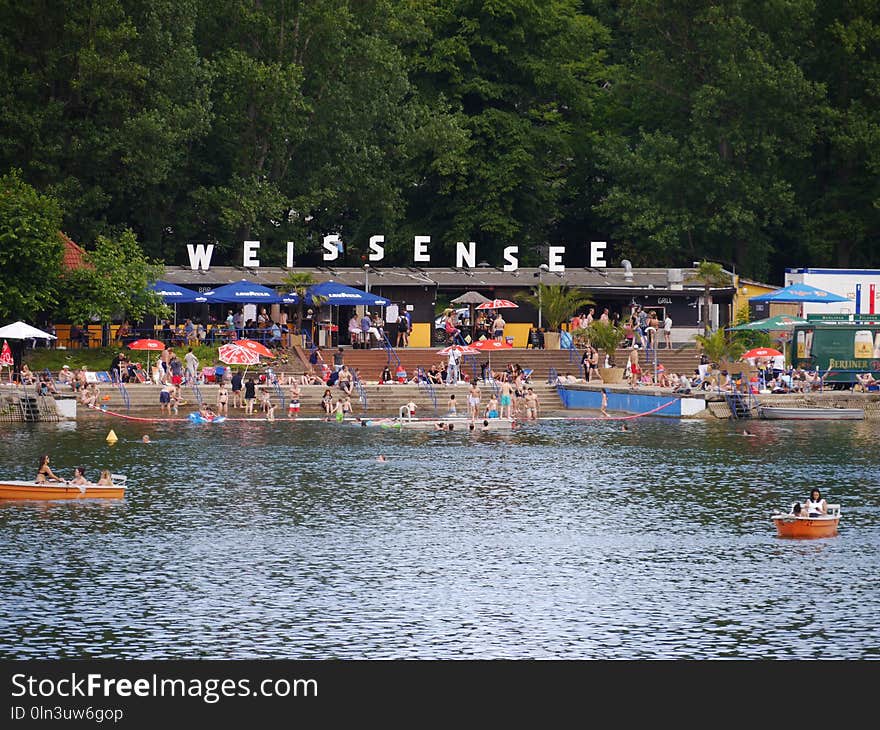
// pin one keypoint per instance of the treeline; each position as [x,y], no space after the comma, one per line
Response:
[747,132]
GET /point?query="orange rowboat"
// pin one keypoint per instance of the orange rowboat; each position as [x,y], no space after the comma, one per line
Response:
[808,527]
[59,490]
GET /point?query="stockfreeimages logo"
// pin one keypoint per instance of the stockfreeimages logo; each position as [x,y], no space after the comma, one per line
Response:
[208,690]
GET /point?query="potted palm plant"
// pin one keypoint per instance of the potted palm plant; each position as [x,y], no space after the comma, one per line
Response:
[555,304]
[607,337]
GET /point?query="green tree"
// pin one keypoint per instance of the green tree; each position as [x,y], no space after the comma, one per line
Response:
[718,346]
[710,275]
[714,113]
[114,283]
[31,249]
[607,337]
[556,302]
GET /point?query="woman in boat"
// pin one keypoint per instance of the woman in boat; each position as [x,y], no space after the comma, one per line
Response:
[816,506]
[44,473]
[106,480]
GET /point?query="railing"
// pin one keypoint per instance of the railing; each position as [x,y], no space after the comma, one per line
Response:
[197,392]
[361,391]
[425,382]
[389,350]
[272,379]
[472,360]
[126,398]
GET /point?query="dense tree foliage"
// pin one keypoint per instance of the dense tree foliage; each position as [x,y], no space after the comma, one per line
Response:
[742,131]
[31,248]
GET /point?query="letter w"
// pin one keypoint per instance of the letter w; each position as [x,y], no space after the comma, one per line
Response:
[200,256]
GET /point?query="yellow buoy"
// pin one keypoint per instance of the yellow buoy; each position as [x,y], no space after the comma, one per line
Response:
[111,437]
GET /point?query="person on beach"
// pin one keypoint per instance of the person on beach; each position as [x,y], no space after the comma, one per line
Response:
[223,400]
[250,395]
[236,390]
[45,473]
[492,408]
[450,406]
[531,404]
[327,402]
[293,402]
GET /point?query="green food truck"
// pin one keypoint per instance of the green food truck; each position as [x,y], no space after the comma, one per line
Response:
[839,349]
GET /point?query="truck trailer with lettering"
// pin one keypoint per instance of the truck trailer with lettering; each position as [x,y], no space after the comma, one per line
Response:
[838,350]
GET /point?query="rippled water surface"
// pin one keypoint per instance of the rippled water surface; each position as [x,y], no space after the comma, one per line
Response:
[569,539]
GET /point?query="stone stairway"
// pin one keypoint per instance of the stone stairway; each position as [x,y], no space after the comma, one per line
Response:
[382,400]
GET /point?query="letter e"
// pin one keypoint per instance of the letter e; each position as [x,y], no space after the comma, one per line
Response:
[420,249]
[250,254]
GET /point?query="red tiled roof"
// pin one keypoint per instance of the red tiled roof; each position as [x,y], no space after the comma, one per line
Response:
[74,256]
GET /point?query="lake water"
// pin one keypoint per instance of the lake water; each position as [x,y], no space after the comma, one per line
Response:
[568,539]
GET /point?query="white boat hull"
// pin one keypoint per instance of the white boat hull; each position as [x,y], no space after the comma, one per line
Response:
[811,414]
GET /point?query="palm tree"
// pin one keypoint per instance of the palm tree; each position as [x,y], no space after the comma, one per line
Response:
[298,282]
[717,346]
[709,274]
[607,337]
[557,302]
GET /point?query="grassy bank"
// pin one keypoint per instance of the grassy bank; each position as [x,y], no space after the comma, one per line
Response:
[98,358]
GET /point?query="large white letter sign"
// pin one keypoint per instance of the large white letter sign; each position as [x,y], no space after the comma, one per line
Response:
[510,257]
[554,258]
[200,256]
[465,255]
[597,257]
[250,254]
[420,249]
[290,254]
[331,247]
[377,250]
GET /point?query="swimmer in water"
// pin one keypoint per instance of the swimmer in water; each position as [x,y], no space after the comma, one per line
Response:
[746,432]
[381,457]
[146,439]
[624,427]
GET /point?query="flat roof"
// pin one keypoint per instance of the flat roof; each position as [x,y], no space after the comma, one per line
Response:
[612,280]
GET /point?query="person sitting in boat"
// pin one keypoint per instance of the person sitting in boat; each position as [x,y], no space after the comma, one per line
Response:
[816,505]
[45,473]
[79,476]
[106,479]
[796,509]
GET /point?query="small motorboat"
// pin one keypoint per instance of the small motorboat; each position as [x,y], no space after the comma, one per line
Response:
[10,489]
[791,525]
[811,414]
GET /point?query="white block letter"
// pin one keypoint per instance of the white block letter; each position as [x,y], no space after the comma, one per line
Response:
[466,255]
[290,254]
[554,258]
[200,256]
[420,249]
[510,257]
[377,251]
[250,254]
[331,247]
[597,258]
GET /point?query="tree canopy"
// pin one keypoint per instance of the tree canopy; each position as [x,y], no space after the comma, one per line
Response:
[738,131]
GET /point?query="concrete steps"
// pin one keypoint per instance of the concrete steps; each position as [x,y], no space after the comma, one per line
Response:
[382,400]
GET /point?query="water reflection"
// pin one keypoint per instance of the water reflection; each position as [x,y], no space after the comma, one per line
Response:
[568,539]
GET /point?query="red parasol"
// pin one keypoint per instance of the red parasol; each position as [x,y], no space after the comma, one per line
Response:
[255,346]
[463,349]
[760,352]
[146,344]
[6,355]
[498,304]
[489,345]
[233,354]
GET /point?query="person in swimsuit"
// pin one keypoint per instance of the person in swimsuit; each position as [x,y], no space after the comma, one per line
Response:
[223,400]
[293,403]
[450,406]
[45,473]
[506,399]
[106,479]
[473,401]
[492,408]
[79,478]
